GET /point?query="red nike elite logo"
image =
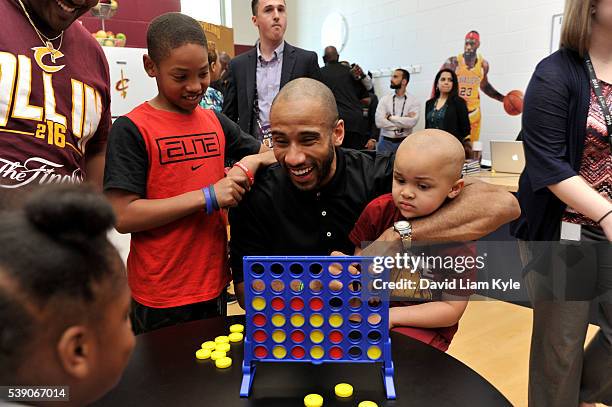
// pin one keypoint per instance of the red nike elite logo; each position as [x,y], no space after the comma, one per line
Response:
[195,167]
[176,149]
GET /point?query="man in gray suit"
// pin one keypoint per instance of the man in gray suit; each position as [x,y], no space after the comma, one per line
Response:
[256,76]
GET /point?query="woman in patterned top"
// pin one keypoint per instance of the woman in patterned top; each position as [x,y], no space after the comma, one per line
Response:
[566,193]
[213,99]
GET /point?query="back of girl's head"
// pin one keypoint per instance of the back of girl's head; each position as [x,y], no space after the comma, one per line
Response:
[54,260]
[170,31]
[454,91]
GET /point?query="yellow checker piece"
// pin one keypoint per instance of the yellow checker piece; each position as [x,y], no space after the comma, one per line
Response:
[217,355]
[343,390]
[209,345]
[223,363]
[313,400]
[223,347]
[203,354]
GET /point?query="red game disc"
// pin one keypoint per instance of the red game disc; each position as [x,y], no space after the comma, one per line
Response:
[298,336]
[335,352]
[316,304]
[336,336]
[259,320]
[260,352]
[260,336]
[278,304]
[297,304]
[298,352]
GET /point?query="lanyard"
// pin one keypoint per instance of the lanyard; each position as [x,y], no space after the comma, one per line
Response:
[600,97]
[403,106]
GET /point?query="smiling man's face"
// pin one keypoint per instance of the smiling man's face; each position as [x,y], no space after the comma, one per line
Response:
[54,16]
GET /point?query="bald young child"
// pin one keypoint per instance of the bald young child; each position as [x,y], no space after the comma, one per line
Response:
[426,173]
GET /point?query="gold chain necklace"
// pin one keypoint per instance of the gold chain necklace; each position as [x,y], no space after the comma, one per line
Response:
[48,42]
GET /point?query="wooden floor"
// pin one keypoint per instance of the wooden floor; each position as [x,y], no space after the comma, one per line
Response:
[493,339]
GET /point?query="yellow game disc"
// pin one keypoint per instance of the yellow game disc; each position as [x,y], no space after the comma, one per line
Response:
[235,337]
[343,390]
[317,352]
[279,352]
[374,352]
[223,363]
[223,347]
[316,320]
[221,339]
[316,336]
[367,403]
[297,320]
[239,328]
[278,320]
[279,336]
[217,355]
[210,345]
[258,304]
[335,320]
[203,354]
[313,400]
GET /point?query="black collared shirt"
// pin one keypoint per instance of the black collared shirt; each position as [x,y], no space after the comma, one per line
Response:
[277,219]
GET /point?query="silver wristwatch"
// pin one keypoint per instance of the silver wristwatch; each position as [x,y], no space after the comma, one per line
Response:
[404,228]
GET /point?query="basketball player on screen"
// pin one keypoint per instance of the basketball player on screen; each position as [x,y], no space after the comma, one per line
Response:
[472,69]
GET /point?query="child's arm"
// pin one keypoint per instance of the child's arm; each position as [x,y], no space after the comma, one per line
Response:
[436,314]
[135,214]
[125,182]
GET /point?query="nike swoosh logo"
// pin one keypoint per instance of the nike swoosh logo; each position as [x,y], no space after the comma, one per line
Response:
[196,167]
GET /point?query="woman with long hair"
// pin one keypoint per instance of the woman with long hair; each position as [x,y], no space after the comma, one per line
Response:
[565,194]
[447,110]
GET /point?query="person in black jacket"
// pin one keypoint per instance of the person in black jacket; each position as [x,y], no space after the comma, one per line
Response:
[446,110]
[348,91]
[256,76]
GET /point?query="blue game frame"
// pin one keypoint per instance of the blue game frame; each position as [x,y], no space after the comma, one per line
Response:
[354,317]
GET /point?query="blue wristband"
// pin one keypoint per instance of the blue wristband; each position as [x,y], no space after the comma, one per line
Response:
[209,205]
[213,197]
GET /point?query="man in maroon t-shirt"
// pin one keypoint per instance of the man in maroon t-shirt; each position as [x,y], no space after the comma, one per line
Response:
[54,95]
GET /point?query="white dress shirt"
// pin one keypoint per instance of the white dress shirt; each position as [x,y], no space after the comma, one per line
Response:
[404,111]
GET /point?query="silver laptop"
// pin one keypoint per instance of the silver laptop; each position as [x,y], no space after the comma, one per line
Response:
[507,156]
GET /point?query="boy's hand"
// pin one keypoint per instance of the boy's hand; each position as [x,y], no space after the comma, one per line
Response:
[253,163]
[240,177]
[256,161]
[228,192]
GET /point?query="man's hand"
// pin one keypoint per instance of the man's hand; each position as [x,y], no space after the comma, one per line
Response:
[389,235]
[371,144]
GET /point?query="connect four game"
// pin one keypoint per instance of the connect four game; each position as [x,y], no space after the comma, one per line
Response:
[314,310]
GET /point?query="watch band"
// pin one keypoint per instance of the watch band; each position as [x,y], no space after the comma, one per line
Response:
[404,229]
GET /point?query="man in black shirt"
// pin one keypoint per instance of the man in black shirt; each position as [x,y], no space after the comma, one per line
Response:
[308,203]
[348,92]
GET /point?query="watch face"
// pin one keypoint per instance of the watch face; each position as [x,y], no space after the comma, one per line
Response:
[402,224]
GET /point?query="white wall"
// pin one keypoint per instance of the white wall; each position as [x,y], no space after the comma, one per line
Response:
[515,35]
[245,33]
